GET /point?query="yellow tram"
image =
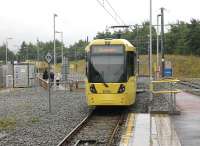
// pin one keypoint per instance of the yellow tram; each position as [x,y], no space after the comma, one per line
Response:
[111,72]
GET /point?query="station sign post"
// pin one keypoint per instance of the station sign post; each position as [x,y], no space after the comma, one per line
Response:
[48,58]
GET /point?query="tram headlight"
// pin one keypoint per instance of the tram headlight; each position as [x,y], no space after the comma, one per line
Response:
[121,88]
[93,89]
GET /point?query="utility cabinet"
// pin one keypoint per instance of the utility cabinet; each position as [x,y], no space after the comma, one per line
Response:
[24,75]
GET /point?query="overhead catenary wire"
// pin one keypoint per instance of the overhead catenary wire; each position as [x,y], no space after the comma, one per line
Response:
[102,5]
[116,14]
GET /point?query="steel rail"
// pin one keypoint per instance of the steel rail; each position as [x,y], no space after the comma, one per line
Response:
[190,84]
[75,130]
[119,122]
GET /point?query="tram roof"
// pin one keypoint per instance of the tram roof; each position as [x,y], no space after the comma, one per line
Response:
[129,46]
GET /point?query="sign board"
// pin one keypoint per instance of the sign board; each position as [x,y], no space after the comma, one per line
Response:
[107,49]
[168,69]
[167,72]
[48,57]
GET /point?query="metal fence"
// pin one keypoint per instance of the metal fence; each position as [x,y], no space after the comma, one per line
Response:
[74,81]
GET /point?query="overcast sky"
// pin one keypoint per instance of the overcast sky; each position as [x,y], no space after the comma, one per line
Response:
[31,19]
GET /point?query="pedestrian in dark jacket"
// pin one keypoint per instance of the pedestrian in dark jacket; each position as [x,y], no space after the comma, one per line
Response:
[51,76]
[45,75]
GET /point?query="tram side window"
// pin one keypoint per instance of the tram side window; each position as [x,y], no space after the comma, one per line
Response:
[87,65]
[130,63]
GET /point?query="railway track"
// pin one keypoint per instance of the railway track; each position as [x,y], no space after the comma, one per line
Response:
[100,127]
[191,87]
[190,84]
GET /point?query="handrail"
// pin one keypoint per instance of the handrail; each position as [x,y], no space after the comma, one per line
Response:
[172,99]
[43,83]
[166,81]
[72,83]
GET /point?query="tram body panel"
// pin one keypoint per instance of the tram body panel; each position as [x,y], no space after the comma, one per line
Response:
[111,76]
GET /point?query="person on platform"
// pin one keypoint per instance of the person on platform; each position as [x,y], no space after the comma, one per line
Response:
[45,75]
[51,77]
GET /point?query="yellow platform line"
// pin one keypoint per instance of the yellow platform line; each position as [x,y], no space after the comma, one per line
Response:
[128,133]
[137,131]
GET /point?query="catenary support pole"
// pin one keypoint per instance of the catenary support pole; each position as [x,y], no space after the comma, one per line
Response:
[162,41]
[54,44]
[49,88]
[157,50]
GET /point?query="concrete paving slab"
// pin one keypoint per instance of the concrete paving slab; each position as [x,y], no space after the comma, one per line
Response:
[165,132]
[149,130]
[137,130]
[187,124]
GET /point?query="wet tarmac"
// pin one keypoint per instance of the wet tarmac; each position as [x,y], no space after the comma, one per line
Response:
[187,125]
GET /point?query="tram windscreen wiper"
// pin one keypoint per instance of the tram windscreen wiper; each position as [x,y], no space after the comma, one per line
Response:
[102,79]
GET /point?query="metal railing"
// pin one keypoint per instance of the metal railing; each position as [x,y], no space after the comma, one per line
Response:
[71,83]
[167,86]
[43,83]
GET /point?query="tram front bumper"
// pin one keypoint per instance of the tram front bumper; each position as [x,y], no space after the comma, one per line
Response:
[109,99]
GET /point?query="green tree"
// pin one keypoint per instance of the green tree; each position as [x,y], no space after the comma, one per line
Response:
[176,39]
[11,55]
[193,37]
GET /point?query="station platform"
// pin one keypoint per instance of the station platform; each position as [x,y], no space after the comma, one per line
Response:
[141,131]
[163,129]
[187,124]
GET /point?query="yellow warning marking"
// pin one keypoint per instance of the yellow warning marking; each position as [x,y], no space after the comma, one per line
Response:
[166,81]
[166,92]
[137,131]
[129,130]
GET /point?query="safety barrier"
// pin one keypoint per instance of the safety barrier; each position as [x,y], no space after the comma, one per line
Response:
[43,83]
[167,86]
[72,84]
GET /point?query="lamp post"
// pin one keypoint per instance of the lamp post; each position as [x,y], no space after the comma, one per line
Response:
[61,33]
[54,44]
[157,55]
[162,41]
[8,38]
[150,42]
[150,66]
